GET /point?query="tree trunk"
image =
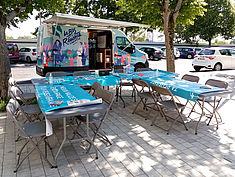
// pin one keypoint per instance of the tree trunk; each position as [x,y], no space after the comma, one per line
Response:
[5,69]
[209,42]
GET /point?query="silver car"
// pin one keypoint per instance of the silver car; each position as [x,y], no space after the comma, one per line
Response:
[28,54]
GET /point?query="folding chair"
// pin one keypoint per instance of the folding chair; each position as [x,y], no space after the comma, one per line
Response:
[56,74]
[33,132]
[80,73]
[28,111]
[94,87]
[124,83]
[143,69]
[213,102]
[142,93]
[26,98]
[96,120]
[190,78]
[167,102]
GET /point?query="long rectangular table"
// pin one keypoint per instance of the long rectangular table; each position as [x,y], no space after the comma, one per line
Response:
[182,88]
[54,101]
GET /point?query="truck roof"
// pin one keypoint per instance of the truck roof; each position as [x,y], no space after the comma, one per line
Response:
[67,19]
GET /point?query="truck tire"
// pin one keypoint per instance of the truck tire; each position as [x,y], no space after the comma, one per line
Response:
[197,68]
[217,67]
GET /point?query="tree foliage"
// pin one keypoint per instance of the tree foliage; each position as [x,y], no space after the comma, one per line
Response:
[11,13]
[219,19]
[164,14]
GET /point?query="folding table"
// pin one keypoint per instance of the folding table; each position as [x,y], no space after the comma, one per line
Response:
[62,101]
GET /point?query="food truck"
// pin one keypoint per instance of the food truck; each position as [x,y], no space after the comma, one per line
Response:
[70,43]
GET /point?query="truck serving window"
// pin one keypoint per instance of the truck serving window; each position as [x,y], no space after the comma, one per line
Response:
[122,42]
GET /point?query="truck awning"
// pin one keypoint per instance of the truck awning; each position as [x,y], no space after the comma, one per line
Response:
[67,19]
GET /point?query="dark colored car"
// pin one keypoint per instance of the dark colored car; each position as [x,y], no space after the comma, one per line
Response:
[154,53]
[187,52]
[13,52]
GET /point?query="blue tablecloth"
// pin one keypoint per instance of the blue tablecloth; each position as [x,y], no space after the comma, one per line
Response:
[51,97]
[182,88]
[145,74]
[108,80]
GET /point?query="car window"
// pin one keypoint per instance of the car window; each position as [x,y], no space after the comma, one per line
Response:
[27,49]
[122,42]
[22,50]
[34,50]
[15,48]
[149,50]
[142,49]
[163,49]
[232,52]
[207,52]
[225,52]
[10,48]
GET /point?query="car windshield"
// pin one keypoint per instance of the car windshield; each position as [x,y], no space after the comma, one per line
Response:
[207,52]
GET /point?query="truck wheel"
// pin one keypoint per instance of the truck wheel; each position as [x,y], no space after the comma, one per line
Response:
[139,65]
[217,67]
[197,68]
[189,56]
[28,59]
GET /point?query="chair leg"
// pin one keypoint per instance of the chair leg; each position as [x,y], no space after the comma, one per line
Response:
[136,106]
[192,109]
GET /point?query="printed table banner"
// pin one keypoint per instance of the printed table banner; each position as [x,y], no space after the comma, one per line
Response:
[51,97]
[145,74]
[182,88]
[108,80]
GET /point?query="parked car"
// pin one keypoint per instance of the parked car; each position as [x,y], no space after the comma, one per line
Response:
[187,52]
[28,54]
[176,52]
[214,58]
[197,50]
[13,52]
[154,53]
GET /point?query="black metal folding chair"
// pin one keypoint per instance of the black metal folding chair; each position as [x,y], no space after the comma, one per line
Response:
[213,103]
[96,120]
[33,132]
[144,93]
[168,102]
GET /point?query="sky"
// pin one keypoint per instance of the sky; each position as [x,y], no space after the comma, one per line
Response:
[28,27]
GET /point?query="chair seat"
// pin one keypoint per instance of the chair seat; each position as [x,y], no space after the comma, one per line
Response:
[85,87]
[126,84]
[146,95]
[31,109]
[28,96]
[170,104]
[92,117]
[209,99]
[34,129]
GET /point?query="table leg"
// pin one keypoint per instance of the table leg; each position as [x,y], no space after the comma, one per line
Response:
[89,138]
[65,136]
[202,114]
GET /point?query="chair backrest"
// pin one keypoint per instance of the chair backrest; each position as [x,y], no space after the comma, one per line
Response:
[106,95]
[190,78]
[56,74]
[217,83]
[16,92]
[161,90]
[11,109]
[80,73]
[143,69]
[141,83]
[96,85]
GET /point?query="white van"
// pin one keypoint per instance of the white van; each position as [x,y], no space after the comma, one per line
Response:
[214,58]
[70,42]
